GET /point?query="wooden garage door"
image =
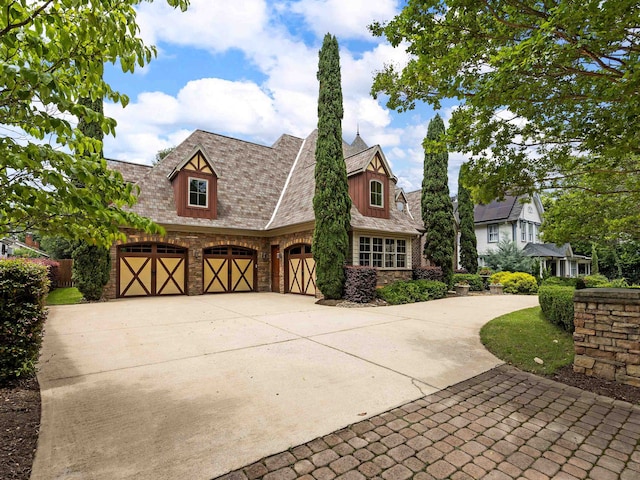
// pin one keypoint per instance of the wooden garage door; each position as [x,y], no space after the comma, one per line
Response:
[229,269]
[151,269]
[301,270]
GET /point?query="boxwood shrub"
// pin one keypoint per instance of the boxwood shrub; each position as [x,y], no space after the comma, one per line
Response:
[360,284]
[23,289]
[412,291]
[475,282]
[556,303]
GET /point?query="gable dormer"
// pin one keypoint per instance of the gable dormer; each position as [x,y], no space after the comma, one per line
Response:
[369,183]
[195,186]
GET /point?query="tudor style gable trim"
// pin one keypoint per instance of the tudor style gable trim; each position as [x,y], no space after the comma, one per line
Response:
[370,187]
[195,186]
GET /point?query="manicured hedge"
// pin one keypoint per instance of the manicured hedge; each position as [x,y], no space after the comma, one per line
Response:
[560,281]
[412,291]
[475,282]
[360,284]
[428,273]
[516,282]
[556,303]
[23,289]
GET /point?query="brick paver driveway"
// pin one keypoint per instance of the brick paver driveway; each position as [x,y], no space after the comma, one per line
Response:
[503,424]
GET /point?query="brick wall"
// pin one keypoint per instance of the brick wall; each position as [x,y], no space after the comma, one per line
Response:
[607,334]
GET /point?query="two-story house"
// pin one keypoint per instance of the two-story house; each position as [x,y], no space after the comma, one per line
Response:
[239,217]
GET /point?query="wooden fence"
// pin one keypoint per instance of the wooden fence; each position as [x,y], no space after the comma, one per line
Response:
[63,279]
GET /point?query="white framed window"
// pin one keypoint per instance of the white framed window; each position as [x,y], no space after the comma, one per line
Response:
[198,192]
[531,232]
[382,252]
[523,231]
[376,197]
[492,233]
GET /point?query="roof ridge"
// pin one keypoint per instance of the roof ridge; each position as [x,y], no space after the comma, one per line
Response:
[242,140]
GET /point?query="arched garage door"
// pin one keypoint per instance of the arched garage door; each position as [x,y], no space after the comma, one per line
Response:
[229,269]
[301,270]
[146,269]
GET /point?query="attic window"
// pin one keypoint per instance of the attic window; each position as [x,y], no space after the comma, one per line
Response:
[376,190]
[198,192]
[400,205]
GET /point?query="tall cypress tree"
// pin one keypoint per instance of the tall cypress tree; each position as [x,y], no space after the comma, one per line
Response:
[331,201]
[437,209]
[468,241]
[91,264]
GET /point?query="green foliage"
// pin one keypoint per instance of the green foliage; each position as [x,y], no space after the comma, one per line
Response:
[474,281]
[468,240]
[557,305]
[621,259]
[331,201]
[58,247]
[508,257]
[437,209]
[163,153]
[64,296]
[538,82]
[485,271]
[596,208]
[412,291]
[360,284]
[517,283]
[23,288]
[560,282]
[52,177]
[26,253]
[595,281]
[90,269]
[519,337]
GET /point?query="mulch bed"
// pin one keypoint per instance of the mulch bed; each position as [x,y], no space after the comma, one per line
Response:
[19,427]
[20,416]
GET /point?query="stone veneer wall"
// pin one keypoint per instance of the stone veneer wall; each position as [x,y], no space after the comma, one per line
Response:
[385,277]
[607,334]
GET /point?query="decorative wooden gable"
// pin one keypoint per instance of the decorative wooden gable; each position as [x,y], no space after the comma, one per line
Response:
[377,165]
[195,186]
[369,187]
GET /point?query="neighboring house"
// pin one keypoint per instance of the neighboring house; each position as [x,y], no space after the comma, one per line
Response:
[516,219]
[239,217]
[8,247]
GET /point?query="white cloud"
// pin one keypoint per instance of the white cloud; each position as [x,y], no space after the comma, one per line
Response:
[345,19]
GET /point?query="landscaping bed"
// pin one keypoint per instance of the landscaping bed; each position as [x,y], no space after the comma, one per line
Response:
[19,427]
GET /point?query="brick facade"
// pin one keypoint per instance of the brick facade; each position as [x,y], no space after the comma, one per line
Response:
[607,334]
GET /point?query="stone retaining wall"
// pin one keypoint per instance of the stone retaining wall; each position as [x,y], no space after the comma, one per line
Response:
[607,334]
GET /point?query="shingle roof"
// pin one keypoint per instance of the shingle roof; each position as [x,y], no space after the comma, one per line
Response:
[505,210]
[259,187]
[414,200]
[251,179]
[358,144]
[131,172]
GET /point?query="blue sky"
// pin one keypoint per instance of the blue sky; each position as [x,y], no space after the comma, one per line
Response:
[247,69]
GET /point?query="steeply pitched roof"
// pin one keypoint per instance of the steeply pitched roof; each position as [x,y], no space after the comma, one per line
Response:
[505,210]
[358,144]
[258,187]
[359,162]
[250,180]
[414,201]
[131,172]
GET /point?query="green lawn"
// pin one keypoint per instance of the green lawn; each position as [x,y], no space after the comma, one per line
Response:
[64,296]
[519,337]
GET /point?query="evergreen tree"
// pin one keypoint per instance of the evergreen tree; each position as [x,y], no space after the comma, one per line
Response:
[595,268]
[437,209]
[91,264]
[468,241]
[331,201]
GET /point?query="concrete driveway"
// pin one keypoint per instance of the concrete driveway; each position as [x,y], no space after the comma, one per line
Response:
[194,387]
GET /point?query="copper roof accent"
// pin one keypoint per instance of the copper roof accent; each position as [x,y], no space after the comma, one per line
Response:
[259,187]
